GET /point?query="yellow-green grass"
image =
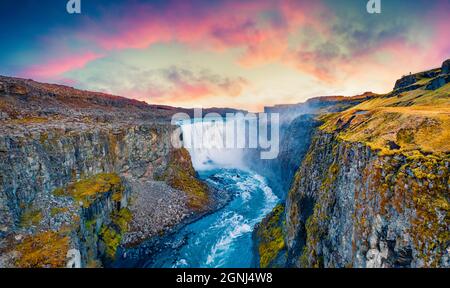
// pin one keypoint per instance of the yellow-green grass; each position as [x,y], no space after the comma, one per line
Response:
[413,120]
[29,120]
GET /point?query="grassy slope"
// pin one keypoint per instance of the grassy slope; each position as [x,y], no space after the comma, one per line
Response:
[412,120]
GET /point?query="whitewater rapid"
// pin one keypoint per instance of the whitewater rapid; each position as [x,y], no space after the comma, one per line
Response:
[223,238]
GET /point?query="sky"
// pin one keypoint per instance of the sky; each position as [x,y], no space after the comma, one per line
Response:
[241,54]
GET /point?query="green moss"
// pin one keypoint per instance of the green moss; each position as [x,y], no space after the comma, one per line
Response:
[121,218]
[89,224]
[30,120]
[88,190]
[304,259]
[330,177]
[270,235]
[423,81]
[30,217]
[316,224]
[111,235]
[405,137]
[43,138]
[56,210]
[59,192]
[111,238]
[314,233]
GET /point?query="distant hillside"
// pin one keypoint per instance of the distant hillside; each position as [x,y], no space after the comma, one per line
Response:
[21,98]
[24,98]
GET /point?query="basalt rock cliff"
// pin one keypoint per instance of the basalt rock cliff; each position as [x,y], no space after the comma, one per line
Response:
[373,189]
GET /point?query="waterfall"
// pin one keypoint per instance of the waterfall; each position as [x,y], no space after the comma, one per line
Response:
[206,143]
[222,238]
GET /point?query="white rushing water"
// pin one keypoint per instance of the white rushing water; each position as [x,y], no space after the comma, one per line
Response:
[213,153]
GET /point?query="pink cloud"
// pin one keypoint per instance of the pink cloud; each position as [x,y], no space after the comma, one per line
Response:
[56,67]
[381,63]
[229,24]
[182,93]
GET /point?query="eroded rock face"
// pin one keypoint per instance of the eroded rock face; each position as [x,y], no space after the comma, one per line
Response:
[445,67]
[350,207]
[37,163]
[405,81]
[438,82]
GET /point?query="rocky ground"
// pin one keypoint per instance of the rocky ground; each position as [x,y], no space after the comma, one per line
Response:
[156,207]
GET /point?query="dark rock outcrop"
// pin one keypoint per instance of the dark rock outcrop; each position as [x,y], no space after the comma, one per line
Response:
[432,79]
[438,82]
[445,69]
[405,81]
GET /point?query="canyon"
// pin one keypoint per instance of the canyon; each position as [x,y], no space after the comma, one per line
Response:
[359,181]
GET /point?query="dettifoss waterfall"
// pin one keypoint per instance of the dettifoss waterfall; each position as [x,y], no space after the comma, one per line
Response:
[222,238]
